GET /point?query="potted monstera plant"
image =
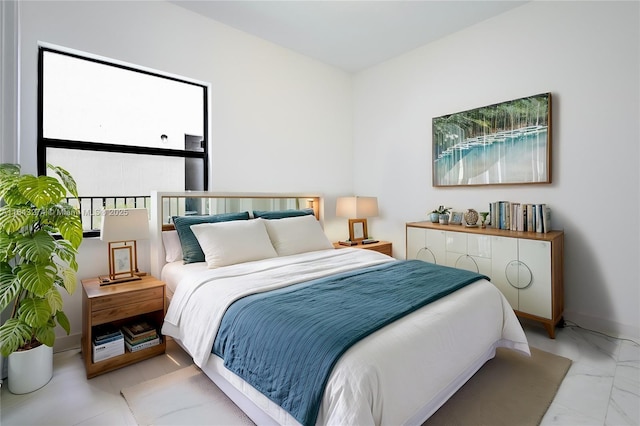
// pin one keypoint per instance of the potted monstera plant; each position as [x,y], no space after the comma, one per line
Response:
[39,237]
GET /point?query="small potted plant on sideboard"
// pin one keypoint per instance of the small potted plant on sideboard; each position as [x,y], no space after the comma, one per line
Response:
[441,214]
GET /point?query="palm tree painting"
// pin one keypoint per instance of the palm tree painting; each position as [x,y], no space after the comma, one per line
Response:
[505,143]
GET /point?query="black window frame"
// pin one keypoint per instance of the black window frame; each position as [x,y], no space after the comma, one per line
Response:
[44,143]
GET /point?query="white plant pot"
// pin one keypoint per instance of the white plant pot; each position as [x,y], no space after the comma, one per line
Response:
[30,370]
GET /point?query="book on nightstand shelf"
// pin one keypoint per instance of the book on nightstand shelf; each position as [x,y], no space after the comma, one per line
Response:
[136,330]
[142,345]
[107,343]
[140,335]
[106,333]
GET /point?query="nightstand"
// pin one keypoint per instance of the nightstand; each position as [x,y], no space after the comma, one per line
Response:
[383,247]
[118,304]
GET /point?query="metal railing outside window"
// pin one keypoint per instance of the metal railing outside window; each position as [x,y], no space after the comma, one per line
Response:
[91,209]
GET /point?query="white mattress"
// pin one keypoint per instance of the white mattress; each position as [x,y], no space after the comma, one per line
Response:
[399,375]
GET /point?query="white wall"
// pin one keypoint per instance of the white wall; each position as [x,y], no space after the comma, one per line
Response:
[587,55]
[281,122]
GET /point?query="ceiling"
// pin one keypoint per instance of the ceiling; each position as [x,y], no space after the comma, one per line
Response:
[352,35]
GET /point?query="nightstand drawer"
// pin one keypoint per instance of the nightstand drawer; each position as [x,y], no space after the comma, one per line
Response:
[120,300]
[125,311]
[384,249]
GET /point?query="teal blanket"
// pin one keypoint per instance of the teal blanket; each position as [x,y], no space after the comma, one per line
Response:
[285,342]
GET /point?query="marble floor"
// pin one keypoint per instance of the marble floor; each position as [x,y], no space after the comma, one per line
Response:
[602,386]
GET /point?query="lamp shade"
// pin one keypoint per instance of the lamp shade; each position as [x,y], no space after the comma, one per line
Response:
[124,225]
[357,207]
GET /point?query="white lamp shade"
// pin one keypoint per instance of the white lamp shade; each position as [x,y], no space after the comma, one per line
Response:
[357,207]
[124,225]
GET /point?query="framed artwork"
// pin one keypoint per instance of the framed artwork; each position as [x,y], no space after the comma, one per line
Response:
[456,218]
[121,262]
[358,229]
[502,144]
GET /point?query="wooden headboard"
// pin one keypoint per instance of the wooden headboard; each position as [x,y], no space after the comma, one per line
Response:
[164,205]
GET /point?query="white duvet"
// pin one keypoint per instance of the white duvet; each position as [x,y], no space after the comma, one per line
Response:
[400,374]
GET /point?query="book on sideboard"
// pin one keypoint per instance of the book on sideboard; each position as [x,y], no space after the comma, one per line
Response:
[520,216]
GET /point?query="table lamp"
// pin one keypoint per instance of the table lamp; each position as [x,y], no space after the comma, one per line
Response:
[122,228]
[357,209]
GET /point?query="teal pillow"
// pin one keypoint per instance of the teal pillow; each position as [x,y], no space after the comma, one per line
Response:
[281,214]
[191,250]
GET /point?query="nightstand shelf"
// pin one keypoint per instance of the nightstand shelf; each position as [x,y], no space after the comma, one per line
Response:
[383,247]
[118,304]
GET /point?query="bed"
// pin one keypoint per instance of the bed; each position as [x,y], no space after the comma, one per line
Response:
[399,372]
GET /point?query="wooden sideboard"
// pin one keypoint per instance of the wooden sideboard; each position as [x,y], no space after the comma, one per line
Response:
[527,267]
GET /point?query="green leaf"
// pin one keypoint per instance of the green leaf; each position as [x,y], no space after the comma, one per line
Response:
[69,279]
[7,247]
[9,285]
[54,298]
[46,335]
[9,175]
[8,170]
[36,247]
[69,224]
[35,312]
[67,253]
[13,334]
[41,190]
[37,279]
[66,179]
[12,219]
[63,321]
[11,194]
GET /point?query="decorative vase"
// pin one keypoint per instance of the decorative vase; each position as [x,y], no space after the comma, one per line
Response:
[30,370]
[434,217]
[471,217]
[444,219]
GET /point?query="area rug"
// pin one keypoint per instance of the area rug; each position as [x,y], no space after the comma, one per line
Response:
[510,389]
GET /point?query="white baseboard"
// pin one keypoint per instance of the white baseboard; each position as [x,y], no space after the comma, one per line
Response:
[603,325]
[66,343]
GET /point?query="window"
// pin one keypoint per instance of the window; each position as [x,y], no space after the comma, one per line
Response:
[120,130]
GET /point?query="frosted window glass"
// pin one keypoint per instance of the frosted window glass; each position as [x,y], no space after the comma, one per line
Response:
[89,101]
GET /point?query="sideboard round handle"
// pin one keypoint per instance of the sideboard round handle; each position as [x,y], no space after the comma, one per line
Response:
[518,274]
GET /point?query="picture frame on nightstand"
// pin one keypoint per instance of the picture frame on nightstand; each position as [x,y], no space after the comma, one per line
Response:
[121,262]
[358,230]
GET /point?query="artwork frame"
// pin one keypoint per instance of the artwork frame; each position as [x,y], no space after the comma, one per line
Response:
[121,262]
[358,230]
[507,143]
[455,218]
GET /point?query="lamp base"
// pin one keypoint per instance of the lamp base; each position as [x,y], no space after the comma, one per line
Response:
[109,281]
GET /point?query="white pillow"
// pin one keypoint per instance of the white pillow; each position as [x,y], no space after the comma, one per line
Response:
[238,241]
[293,235]
[172,246]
